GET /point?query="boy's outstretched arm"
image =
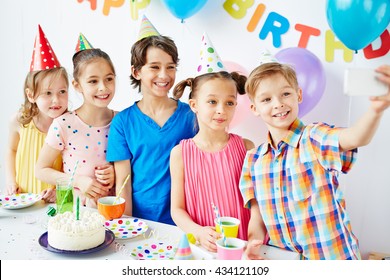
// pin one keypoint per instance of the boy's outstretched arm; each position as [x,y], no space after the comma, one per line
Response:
[361,133]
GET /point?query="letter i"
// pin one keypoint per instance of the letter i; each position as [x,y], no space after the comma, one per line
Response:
[256,17]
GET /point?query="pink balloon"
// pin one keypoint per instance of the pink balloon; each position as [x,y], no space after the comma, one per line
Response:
[310,74]
[243,102]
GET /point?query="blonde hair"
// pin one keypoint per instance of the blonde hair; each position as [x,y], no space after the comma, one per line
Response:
[33,82]
[267,70]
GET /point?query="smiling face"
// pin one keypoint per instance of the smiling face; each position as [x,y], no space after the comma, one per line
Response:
[96,82]
[52,95]
[158,74]
[276,102]
[215,103]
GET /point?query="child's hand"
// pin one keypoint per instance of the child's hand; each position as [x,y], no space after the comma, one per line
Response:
[90,187]
[385,71]
[105,175]
[252,251]
[207,236]
[49,195]
[381,103]
[13,189]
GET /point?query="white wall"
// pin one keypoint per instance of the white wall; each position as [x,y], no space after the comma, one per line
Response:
[367,187]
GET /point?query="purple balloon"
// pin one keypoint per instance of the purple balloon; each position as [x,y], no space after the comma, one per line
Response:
[310,75]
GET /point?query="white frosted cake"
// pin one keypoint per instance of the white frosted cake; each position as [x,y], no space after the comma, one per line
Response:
[66,233]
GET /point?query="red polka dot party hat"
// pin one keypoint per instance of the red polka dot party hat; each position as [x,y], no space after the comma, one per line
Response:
[43,56]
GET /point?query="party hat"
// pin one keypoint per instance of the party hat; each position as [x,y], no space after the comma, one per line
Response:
[147,29]
[184,250]
[82,44]
[43,56]
[266,57]
[209,58]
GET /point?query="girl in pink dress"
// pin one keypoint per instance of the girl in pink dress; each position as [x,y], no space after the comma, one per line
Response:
[206,169]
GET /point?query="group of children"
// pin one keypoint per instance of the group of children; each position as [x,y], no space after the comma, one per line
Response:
[180,156]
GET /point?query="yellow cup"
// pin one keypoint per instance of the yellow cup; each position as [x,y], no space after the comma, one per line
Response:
[230,226]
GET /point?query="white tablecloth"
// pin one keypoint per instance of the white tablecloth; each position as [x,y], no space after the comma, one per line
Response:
[20,230]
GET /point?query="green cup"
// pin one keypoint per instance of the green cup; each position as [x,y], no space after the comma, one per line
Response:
[64,195]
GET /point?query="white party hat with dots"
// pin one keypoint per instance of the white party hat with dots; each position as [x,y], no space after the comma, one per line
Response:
[267,57]
[209,60]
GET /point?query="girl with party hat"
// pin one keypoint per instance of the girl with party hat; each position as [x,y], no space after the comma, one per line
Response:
[81,136]
[46,97]
[142,136]
[206,169]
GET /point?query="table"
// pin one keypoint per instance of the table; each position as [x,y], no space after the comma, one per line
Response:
[20,230]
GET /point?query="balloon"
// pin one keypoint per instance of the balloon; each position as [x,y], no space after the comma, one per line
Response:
[243,103]
[183,9]
[310,75]
[358,23]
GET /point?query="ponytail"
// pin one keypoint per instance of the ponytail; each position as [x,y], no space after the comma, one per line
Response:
[180,87]
[240,81]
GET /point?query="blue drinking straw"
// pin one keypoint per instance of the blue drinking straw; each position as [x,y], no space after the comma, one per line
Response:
[215,208]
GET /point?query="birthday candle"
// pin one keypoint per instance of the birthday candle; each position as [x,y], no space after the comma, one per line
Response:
[78,208]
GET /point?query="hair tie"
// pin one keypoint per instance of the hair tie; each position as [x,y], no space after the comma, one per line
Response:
[189,83]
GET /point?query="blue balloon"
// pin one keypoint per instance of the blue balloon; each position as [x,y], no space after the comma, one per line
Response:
[357,23]
[183,9]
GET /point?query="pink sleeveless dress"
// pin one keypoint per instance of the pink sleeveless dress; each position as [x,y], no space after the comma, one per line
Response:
[213,177]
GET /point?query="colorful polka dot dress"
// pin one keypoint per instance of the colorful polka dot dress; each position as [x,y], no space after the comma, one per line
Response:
[78,141]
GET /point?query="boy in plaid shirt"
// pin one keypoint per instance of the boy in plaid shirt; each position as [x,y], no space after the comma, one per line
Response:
[290,182]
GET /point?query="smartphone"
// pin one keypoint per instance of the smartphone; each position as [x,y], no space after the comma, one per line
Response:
[363,82]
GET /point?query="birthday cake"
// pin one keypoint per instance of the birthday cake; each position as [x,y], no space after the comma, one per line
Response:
[66,233]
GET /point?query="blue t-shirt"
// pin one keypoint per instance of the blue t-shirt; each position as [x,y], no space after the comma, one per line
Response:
[136,137]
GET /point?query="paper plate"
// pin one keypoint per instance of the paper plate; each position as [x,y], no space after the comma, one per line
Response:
[125,228]
[20,200]
[154,251]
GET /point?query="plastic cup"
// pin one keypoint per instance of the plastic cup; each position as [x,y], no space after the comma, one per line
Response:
[108,209]
[230,226]
[232,251]
[64,196]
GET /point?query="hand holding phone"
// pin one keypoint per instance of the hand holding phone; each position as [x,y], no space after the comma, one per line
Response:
[363,82]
